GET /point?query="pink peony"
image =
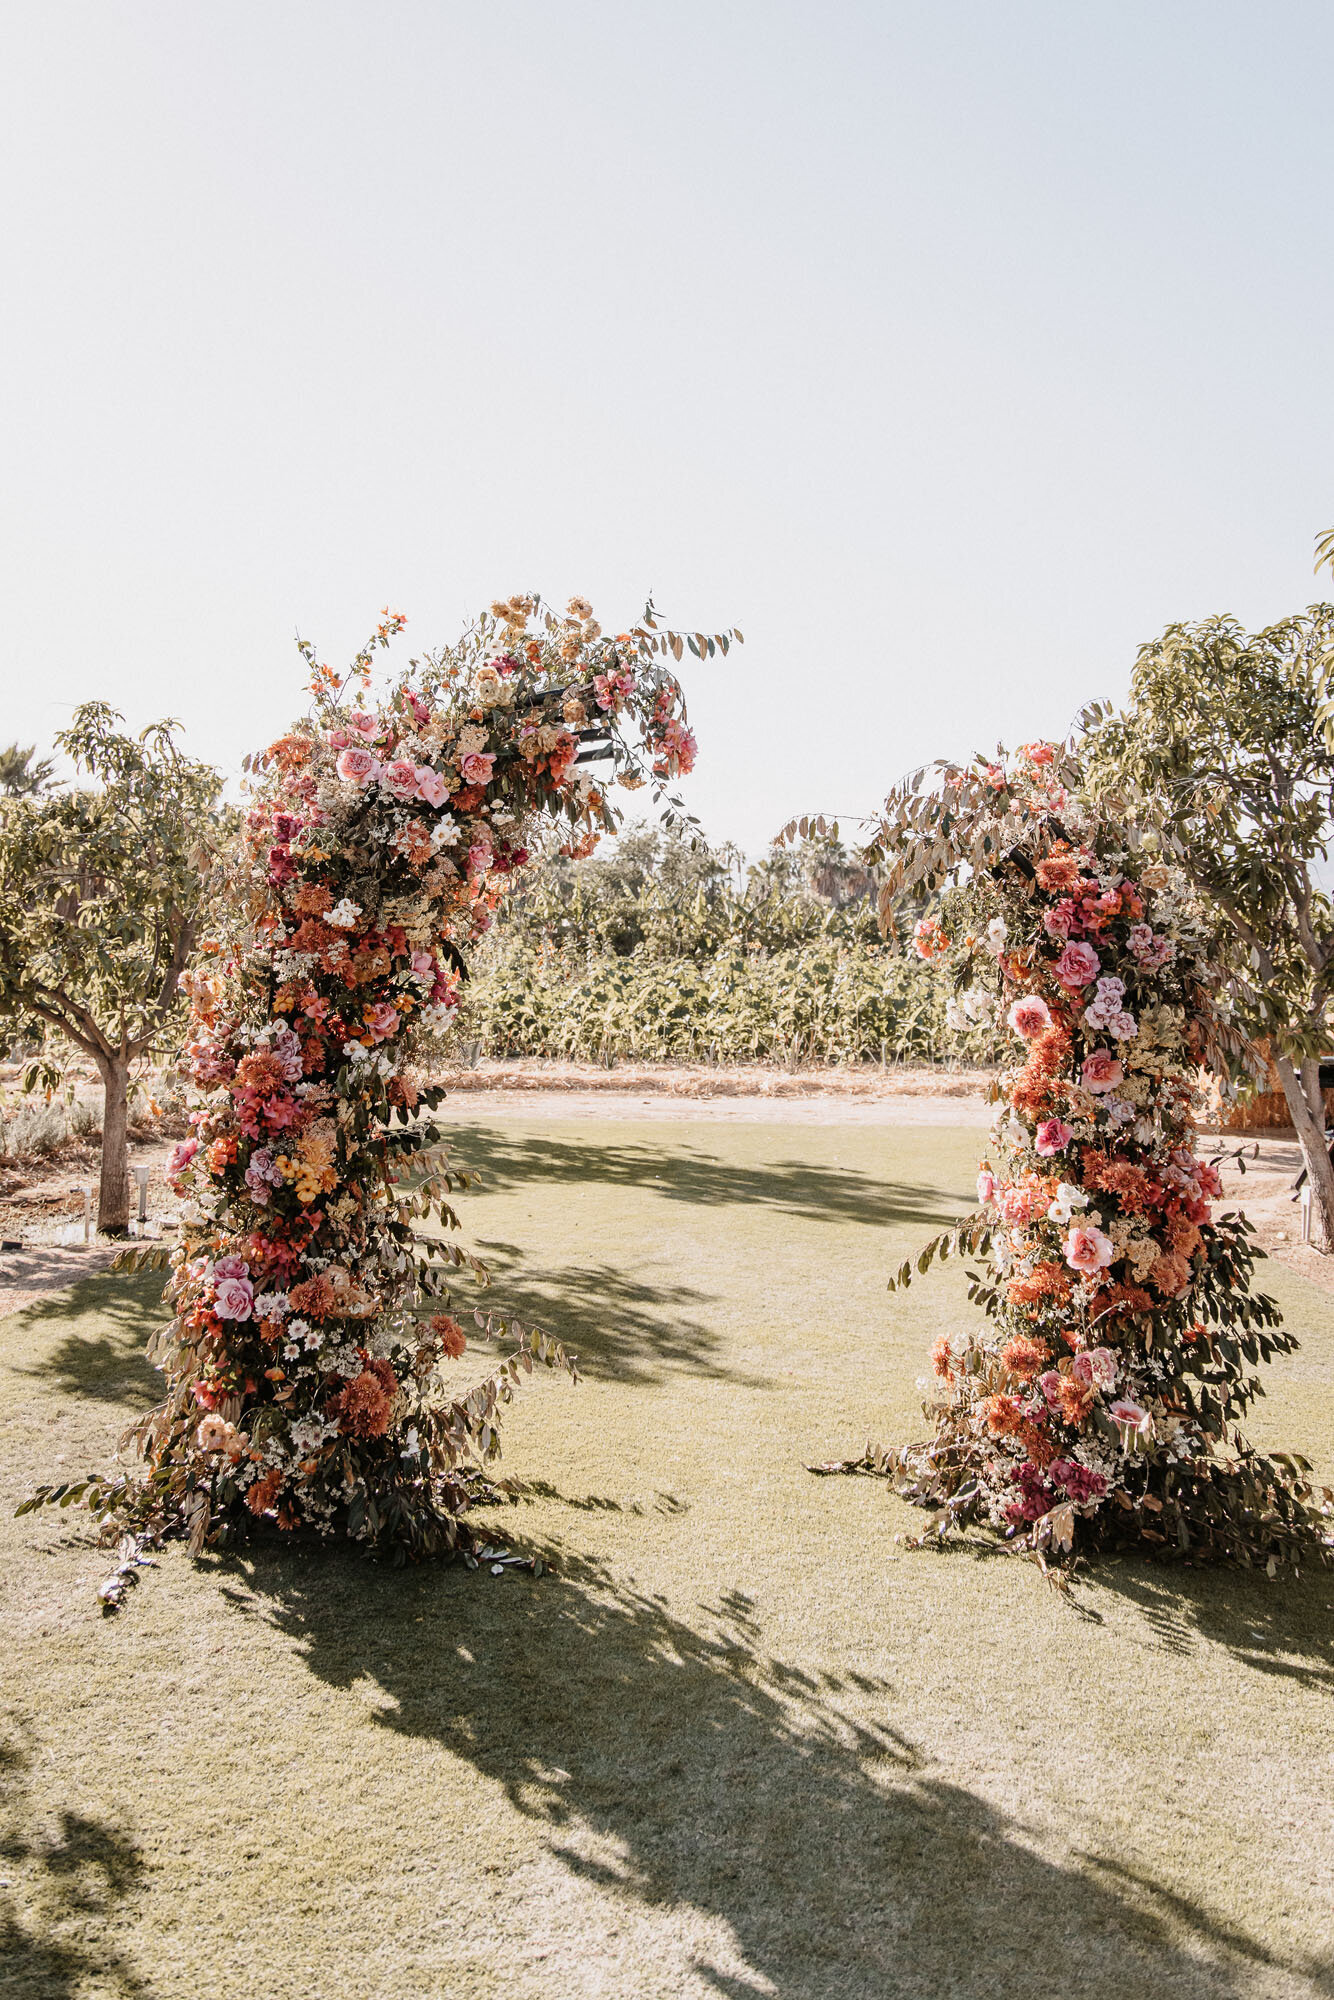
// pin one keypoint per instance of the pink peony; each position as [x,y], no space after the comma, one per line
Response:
[234,1298]
[1101,1071]
[476,767]
[986,1185]
[431,786]
[1029,1016]
[400,778]
[383,1020]
[1087,1249]
[358,766]
[1052,1137]
[1077,965]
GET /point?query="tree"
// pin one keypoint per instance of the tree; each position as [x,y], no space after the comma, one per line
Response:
[101,897]
[1221,749]
[20,777]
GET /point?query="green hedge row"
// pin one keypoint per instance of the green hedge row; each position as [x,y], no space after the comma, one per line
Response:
[821,1002]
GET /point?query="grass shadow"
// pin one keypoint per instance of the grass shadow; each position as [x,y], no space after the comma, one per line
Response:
[1281,1627]
[676,1761]
[72,1873]
[102,1357]
[623,1328]
[506,1160]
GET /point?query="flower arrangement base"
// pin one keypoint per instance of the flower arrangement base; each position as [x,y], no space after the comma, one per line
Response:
[1099,1404]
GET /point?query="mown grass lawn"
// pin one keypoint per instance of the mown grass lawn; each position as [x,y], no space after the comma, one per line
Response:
[741,1743]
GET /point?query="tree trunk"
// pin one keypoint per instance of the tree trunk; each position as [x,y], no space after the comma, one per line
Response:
[1306,1108]
[113,1194]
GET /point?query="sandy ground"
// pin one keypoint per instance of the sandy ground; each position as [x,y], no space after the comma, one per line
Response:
[50,1205]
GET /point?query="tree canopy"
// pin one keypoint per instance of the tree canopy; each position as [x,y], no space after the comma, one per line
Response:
[1220,751]
[101,894]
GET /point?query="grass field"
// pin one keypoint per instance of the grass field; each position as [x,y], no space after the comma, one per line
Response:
[741,1743]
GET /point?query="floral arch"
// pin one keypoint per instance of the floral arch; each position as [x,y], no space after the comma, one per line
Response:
[1100,1400]
[306,1383]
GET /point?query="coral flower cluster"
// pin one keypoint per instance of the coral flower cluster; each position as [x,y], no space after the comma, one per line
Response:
[307,1378]
[1100,1401]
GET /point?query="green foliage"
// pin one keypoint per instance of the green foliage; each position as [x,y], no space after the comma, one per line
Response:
[102,893]
[825,1002]
[666,950]
[1220,751]
[100,887]
[20,776]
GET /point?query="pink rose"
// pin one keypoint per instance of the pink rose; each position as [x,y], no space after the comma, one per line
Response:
[1087,1249]
[1097,1365]
[479,858]
[1061,919]
[365,725]
[1029,1016]
[422,963]
[417,709]
[986,1185]
[476,767]
[431,786]
[231,1267]
[400,778]
[383,1020]
[1077,965]
[234,1298]
[357,766]
[1101,1071]
[339,739]
[1050,1384]
[181,1156]
[1052,1137]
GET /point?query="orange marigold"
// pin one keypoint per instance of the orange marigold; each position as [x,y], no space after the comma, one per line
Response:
[366,1403]
[453,1340]
[1058,873]
[315,1297]
[261,1496]
[1047,1281]
[1003,1414]
[1024,1356]
[1121,1299]
[1075,1399]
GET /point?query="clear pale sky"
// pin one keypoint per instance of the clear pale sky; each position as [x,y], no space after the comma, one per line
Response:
[950,350]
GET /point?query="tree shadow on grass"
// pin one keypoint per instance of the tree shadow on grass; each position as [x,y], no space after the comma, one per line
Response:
[674,1762]
[71,1874]
[505,1160]
[1281,1627]
[102,1359]
[623,1328]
